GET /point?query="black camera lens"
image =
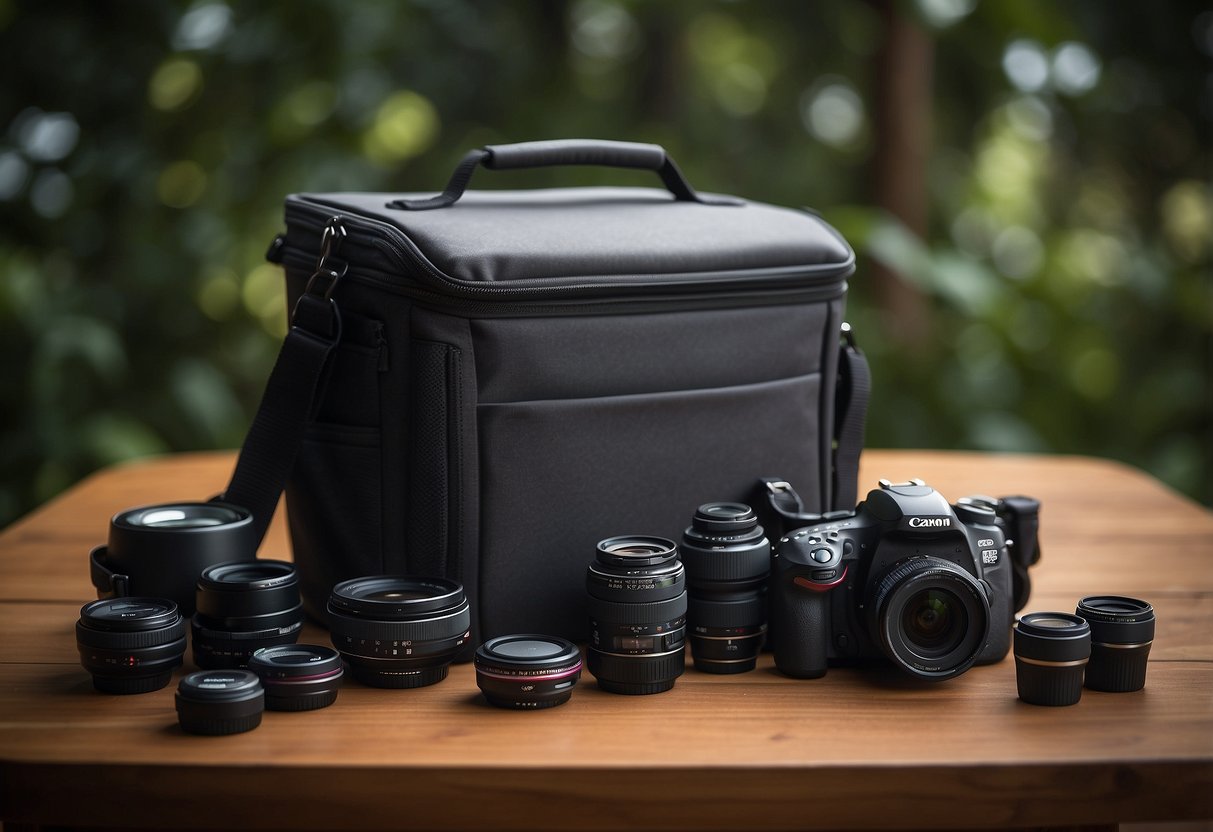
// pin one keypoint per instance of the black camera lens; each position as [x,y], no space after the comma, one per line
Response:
[219,702]
[1122,630]
[298,677]
[242,607]
[399,631]
[527,672]
[159,551]
[1051,652]
[638,607]
[727,559]
[130,645]
[930,617]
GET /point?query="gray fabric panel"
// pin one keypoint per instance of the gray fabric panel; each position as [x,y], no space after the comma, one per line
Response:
[558,476]
[559,358]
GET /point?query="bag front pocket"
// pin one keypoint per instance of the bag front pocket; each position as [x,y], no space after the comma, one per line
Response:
[557,476]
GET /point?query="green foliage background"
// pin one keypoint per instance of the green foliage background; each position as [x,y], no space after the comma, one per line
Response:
[147,146]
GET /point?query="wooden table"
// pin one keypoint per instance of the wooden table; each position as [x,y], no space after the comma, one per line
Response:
[755,751]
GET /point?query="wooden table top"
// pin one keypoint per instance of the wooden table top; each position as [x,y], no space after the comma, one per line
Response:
[854,749]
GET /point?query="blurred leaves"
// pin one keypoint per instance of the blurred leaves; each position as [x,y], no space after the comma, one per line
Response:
[145,149]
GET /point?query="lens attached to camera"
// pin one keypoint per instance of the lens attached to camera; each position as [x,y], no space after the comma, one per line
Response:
[160,550]
[638,607]
[130,645]
[244,606]
[727,559]
[527,672]
[399,631]
[1051,654]
[930,618]
[1122,631]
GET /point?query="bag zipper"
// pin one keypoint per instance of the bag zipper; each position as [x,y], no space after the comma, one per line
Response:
[401,252]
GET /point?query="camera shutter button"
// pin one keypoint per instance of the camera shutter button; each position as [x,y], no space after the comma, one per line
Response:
[822,555]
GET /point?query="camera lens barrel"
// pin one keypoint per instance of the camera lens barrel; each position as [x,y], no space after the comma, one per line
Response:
[130,645]
[298,677]
[219,702]
[527,672]
[637,608]
[160,550]
[244,606]
[727,559]
[930,617]
[1122,631]
[398,631]
[1051,653]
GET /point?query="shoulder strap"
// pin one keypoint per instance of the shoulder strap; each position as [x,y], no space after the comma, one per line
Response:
[269,450]
[850,416]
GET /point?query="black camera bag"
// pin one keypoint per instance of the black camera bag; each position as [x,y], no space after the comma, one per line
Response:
[483,384]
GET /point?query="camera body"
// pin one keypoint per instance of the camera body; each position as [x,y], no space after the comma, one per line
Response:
[906,576]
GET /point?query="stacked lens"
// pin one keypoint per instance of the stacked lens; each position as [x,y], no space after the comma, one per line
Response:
[242,607]
[638,608]
[130,645]
[727,559]
[398,631]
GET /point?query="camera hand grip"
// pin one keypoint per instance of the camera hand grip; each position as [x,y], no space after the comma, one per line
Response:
[799,621]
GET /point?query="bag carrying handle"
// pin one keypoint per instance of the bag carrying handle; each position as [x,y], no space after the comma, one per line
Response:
[560,152]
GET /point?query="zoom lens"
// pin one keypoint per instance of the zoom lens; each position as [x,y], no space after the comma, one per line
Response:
[298,677]
[930,617]
[527,672]
[397,631]
[159,551]
[1051,654]
[638,607]
[727,559]
[1122,630]
[242,607]
[130,645]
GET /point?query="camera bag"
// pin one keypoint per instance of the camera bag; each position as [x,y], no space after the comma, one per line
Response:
[481,385]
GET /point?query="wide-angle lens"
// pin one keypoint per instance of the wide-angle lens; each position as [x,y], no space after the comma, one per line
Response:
[727,559]
[637,606]
[130,645]
[243,607]
[399,631]
[930,617]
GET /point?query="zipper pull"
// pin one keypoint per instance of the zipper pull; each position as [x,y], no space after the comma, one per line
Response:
[274,254]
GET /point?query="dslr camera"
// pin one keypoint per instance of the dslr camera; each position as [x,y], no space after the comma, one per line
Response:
[930,586]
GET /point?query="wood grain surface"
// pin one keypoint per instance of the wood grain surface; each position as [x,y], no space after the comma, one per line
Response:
[857,749]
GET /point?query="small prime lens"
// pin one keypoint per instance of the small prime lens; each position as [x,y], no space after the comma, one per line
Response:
[130,645]
[1122,631]
[298,677]
[527,672]
[930,617]
[219,702]
[638,608]
[159,551]
[398,631]
[727,558]
[242,607]
[1051,652]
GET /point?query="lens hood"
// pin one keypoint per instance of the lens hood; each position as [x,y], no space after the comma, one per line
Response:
[160,550]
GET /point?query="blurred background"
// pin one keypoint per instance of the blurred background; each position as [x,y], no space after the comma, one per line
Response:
[1026,183]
